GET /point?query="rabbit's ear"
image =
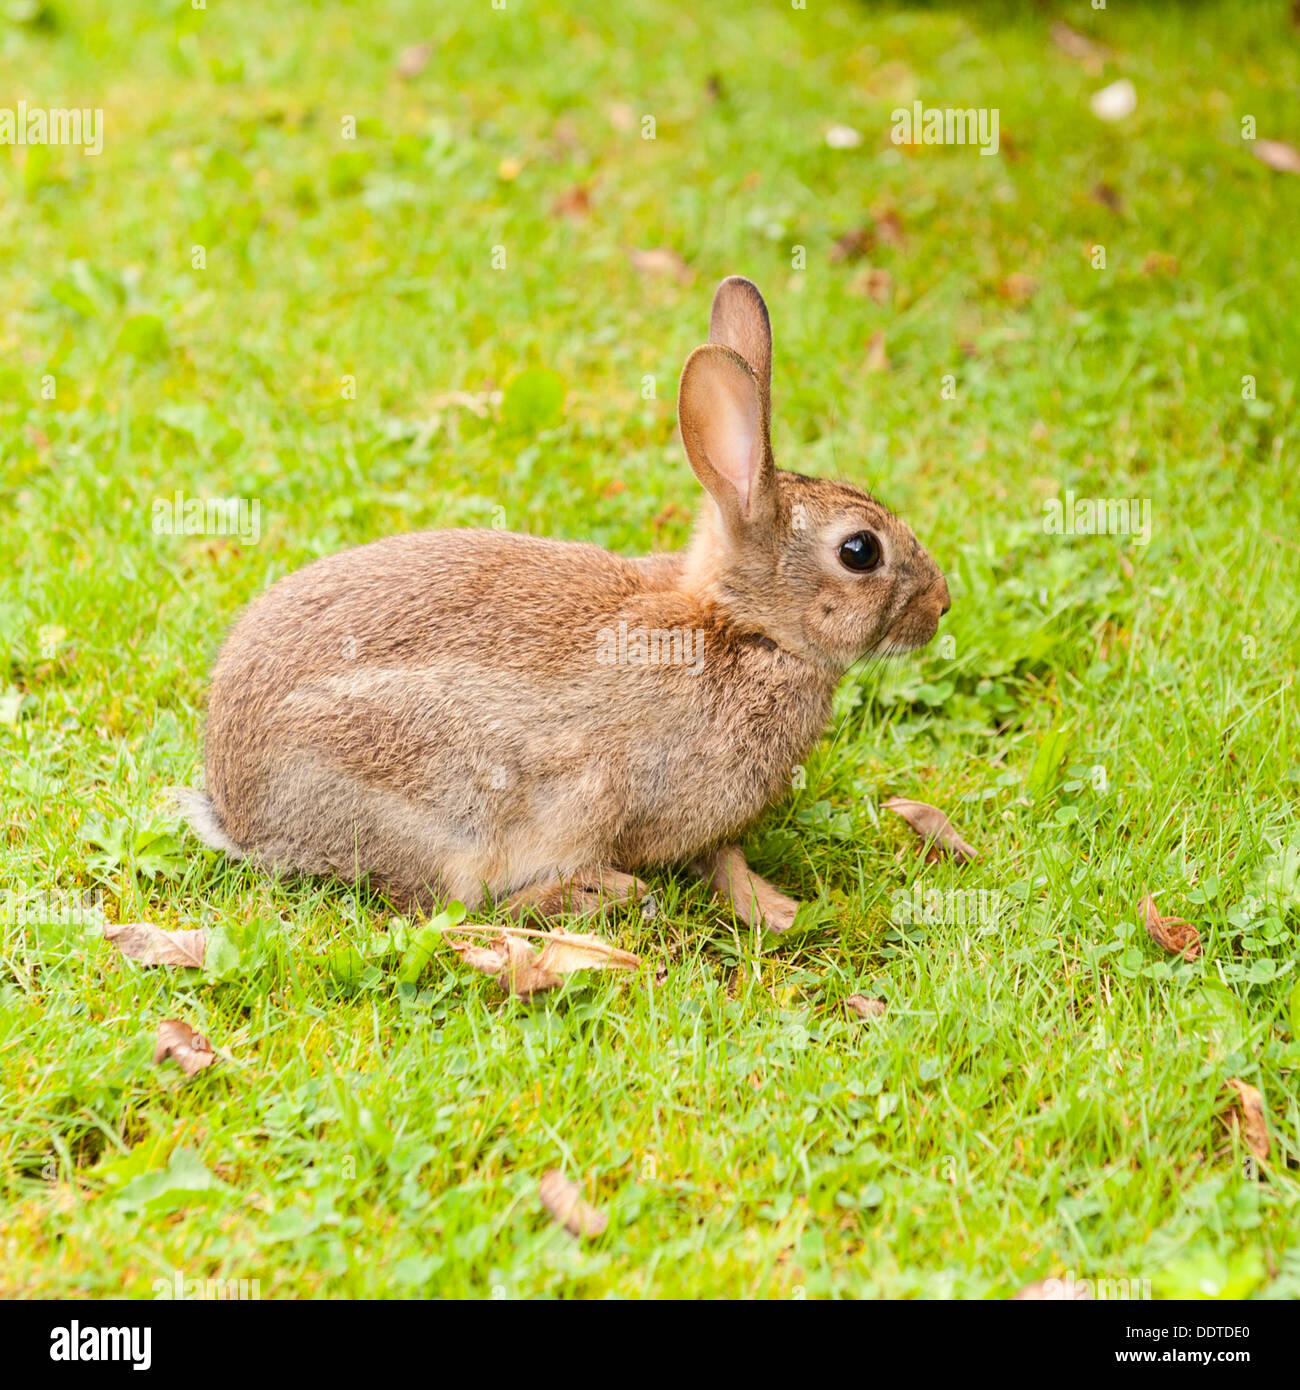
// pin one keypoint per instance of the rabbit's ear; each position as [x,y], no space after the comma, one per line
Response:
[721,412]
[739,321]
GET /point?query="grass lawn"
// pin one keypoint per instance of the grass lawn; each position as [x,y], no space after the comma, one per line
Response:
[297,277]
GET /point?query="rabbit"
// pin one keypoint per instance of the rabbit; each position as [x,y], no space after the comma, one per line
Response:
[472,713]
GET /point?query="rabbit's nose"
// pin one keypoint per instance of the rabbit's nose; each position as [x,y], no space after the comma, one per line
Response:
[945,602]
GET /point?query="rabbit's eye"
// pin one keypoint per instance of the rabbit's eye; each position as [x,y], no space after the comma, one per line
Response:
[860,553]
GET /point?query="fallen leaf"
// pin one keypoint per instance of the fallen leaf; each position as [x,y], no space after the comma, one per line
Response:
[1253,1117]
[1277,154]
[1115,102]
[190,1050]
[566,952]
[889,228]
[1010,146]
[564,1203]
[661,261]
[413,61]
[621,116]
[574,202]
[667,515]
[843,137]
[565,134]
[1170,932]
[1017,288]
[877,357]
[1104,194]
[1160,263]
[516,967]
[931,823]
[1079,47]
[852,245]
[877,285]
[152,945]
[865,1008]
[1054,1290]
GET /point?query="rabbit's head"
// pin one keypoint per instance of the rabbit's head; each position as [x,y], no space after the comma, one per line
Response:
[817,566]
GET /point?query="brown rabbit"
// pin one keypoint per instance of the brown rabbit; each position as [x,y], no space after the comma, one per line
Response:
[455,712]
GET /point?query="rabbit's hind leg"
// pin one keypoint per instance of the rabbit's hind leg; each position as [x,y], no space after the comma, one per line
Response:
[587,893]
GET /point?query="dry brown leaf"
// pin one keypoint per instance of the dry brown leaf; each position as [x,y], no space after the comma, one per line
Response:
[865,1008]
[1277,154]
[565,952]
[889,228]
[563,1201]
[1017,288]
[491,958]
[1079,47]
[574,202]
[877,357]
[190,1050]
[621,116]
[1160,263]
[852,245]
[564,133]
[661,261]
[1254,1119]
[877,285]
[1170,932]
[1104,194]
[516,967]
[152,945]
[935,828]
[670,513]
[413,61]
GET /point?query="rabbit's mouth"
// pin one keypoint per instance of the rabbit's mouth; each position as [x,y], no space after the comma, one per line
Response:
[917,628]
[919,622]
[903,646]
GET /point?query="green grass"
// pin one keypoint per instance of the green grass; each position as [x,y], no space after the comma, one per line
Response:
[1044,1091]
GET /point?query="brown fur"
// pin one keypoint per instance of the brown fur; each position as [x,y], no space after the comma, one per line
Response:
[430,709]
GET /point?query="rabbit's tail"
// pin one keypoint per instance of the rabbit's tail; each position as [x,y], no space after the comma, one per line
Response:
[203,820]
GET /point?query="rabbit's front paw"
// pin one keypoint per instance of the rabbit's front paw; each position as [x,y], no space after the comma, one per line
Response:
[753,899]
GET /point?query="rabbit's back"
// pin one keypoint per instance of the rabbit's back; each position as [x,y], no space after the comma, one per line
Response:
[494,707]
